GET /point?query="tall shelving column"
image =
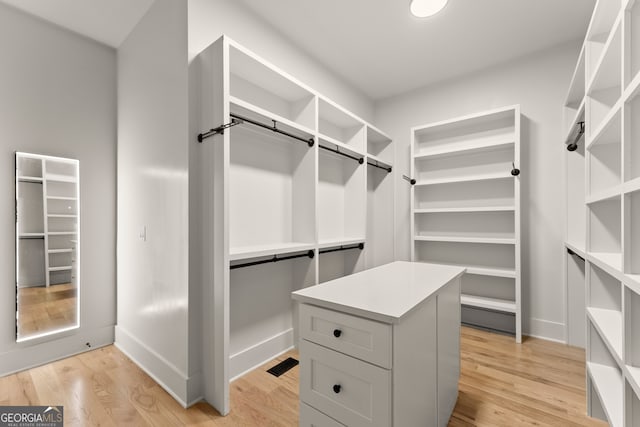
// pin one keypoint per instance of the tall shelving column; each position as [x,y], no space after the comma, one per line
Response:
[466,210]
[283,202]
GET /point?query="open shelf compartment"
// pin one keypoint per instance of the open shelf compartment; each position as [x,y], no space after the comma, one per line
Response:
[467,195]
[604,308]
[258,83]
[605,231]
[338,124]
[605,159]
[632,42]
[379,145]
[488,226]
[632,236]
[271,191]
[600,30]
[632,137]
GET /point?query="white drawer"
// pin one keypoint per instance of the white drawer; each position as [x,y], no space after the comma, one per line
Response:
[309,417]
[353,392]
[365,339]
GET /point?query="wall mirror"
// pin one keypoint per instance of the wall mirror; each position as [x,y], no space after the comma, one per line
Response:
[47,245]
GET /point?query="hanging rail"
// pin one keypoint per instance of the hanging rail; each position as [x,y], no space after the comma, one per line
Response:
[376,165]
[343,248]
[337,151]
[275,258]
[410,180]
[570,252]
[574,145]
[238,119]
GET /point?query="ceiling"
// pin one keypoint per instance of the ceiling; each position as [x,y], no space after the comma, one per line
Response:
[380,48]
[107,21]
[374,45]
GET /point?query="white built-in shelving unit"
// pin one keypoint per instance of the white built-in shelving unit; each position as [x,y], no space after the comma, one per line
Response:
[293,178]
[465,207]
[47,219]
[603,204]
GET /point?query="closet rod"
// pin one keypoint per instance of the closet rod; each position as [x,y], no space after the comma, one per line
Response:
[574,145]
[274,128]
[275,258]
[570,252]
[337,151]
[376,165]
[219,130]
[411,180]
[343,248]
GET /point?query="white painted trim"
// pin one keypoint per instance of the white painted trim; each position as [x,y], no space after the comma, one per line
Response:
[167,375]
[250,358]
[546,330]
[30,356]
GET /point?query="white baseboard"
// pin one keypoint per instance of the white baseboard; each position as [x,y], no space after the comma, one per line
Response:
[256,355]
[29,354]
[547,330]
[186,390]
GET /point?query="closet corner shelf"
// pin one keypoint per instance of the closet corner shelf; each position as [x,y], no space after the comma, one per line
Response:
[604,195]
[609,325]
[579,250]
[469,148]
[462,239]
[470,178]
[508,208]
[34,179]
[61,178]
[246,252]
[340,145]
[610,122]
[608,261]
[631,186]
[495,304]
[608,384]
[266,115]
[344,241]
[31,235]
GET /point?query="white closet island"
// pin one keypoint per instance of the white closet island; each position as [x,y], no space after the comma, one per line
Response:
[381,347]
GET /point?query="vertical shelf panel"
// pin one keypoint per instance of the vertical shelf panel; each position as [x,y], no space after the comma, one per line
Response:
[632,138]
[632,235]
[576,297]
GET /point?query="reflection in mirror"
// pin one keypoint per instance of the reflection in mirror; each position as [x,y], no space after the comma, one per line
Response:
[47,245]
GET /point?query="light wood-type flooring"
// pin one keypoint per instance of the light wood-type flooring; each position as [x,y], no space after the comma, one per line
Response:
[43,309]
[538,383]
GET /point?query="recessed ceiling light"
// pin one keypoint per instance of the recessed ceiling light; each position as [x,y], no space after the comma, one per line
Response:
[425,8]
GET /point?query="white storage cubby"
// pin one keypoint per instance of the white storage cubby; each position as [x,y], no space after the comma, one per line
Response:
[293,190]
[604,156]
[605,232]
[632,236]
[600,29]
[465,210]
[604,308]
[337,124]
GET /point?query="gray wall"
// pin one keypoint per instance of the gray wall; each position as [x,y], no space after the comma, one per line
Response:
[58,97]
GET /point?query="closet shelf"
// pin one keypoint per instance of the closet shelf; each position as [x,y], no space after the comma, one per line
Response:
[61,268]
[61,178]
[608,261]
[608,323]
[471,147]
[31,236]
[62,233]
[484,271]
[462,239]
[611,47]
[577,249]
[470,178]
[633,376]
[330,243]
[496,304]
[508,208]
[246,252]
[34,179]
[608,384]
[61,198]
[610,130]
[604,195]
[60,251]
[243,107]
[631,186]
[61,216]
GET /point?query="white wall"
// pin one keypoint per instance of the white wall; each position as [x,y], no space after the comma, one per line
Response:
[153,275]
[58,97]
[209,19]
[539,84]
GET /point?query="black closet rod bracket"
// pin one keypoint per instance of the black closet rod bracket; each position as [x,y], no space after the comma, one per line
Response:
[218,130]
[410,180]
[376,165]
[310,254]
[343,248]
[360,160]
[570,252]
[514,171]
[309,141]
[574,145]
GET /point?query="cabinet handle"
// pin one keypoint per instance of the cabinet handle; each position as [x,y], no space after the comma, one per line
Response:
[337,333]
[337,388]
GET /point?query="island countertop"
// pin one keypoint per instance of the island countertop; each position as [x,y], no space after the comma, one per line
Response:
[386,293]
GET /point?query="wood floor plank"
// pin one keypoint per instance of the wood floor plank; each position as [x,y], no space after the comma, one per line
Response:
[536,383]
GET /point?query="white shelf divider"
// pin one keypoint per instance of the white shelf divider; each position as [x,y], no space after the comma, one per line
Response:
[488,303]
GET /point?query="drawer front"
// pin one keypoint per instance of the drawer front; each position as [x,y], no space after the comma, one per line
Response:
[310,417]
[351,391]
[361,338]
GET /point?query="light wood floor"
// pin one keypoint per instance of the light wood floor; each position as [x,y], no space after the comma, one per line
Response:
[502,384]
[43,309]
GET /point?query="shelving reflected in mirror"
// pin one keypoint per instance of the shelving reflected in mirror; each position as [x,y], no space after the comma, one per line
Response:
[47,245]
